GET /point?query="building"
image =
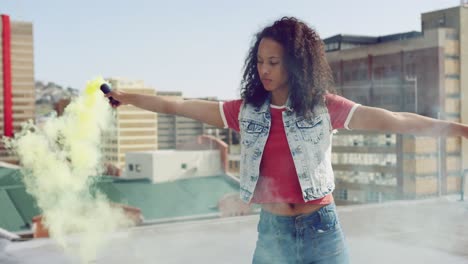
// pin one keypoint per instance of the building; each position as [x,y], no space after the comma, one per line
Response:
[167,123]
[174,132]
[16,79]
[135,130]
[424,72]
[207,156]
[169,165]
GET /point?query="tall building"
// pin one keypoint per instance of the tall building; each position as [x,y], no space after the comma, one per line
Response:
[455,18]
[175,132]
[167,123]
[136,129]
[424,72]
[16,78]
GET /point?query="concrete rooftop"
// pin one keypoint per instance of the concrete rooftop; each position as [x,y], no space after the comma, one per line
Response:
[426,231]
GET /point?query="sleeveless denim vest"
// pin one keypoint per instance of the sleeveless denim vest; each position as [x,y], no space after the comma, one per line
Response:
[309,141]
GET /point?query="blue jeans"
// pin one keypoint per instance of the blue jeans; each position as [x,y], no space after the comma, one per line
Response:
[313,238]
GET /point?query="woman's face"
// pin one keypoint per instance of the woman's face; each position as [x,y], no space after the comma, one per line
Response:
[271,67]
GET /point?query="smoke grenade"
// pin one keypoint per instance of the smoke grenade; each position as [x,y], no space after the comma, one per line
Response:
[106,89]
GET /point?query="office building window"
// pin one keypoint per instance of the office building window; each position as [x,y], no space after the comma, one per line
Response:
[341,194]
[453,76]
[373,197]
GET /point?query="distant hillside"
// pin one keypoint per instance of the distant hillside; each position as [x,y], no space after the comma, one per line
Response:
[51,92]
[47,94]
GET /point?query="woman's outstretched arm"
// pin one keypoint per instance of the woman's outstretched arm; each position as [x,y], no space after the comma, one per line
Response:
[204,111]
[378,119]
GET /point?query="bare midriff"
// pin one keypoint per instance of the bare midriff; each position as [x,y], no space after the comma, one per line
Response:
[291,209]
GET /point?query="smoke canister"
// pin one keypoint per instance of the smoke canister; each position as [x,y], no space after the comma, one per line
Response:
[106,89]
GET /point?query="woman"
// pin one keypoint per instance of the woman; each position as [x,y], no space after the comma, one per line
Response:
[286,117]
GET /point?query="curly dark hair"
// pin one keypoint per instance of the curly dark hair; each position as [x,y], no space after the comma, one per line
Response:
[309,75]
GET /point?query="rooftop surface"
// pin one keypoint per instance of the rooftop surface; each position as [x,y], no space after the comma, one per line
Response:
[425,231]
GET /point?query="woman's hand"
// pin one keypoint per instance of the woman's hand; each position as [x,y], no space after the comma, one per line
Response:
[119,98]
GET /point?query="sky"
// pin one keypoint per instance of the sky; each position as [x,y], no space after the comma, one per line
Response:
[197,47]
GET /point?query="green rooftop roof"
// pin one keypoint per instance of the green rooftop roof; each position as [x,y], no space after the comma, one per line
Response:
[10,219]
[173,199]
[181,198]
[9,177]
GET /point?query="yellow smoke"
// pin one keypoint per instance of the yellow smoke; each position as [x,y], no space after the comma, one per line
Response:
[60,162]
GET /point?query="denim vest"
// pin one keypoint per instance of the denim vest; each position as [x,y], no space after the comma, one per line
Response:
[309,141]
